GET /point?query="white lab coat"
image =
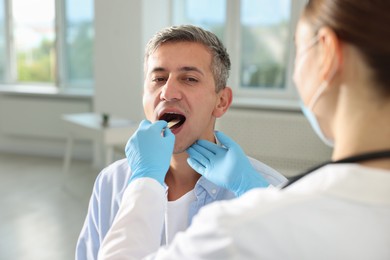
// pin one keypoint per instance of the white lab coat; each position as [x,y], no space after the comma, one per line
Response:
[337,212]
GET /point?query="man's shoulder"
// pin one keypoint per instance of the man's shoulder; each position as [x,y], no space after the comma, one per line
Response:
[114,177]
[270,174]
[106,197]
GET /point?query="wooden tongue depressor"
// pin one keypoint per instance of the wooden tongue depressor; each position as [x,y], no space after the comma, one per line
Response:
[173,123]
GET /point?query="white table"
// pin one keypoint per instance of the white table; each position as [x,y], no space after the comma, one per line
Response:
[89,126]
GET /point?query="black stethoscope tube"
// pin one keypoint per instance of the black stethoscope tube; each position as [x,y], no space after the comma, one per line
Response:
[357,158]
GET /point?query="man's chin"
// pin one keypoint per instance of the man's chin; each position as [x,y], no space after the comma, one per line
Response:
[180,149]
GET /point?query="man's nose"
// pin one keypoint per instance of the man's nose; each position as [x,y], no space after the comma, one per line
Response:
[171,91]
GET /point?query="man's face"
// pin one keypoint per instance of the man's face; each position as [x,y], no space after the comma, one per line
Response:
[179,85]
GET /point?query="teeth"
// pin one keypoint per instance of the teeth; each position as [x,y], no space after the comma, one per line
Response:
[173,123]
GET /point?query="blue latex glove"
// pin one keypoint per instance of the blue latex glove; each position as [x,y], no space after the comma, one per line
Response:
[149,150]
[226,166]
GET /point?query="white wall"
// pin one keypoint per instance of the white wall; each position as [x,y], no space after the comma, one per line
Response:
[31,123]
[118,58]
[282,139]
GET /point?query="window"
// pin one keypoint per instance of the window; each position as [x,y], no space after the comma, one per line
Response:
[258,35]
[264,31]
[79,36]
[47,42]
[210,15]
[3,44]
[33,34]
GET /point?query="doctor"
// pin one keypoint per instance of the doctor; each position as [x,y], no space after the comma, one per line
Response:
[339,210]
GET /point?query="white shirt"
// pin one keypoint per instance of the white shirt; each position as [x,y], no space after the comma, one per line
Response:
[338,212]
[177,216]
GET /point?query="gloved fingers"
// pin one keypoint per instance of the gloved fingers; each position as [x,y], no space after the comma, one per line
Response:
[211,147]
[199,156]
[197,166]
[145,129]
[128,144]
[203,150]
[169,140]
[159,126]
[225,140]
[167,133]
[144,124]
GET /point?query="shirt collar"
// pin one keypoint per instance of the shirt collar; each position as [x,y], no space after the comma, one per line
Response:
[204,184]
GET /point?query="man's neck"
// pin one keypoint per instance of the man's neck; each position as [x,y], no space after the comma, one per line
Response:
[181,178]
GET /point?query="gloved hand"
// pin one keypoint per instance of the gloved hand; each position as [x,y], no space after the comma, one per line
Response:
[226,166]
[149,150]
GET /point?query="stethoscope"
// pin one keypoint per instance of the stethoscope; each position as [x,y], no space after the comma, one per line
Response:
[352,159]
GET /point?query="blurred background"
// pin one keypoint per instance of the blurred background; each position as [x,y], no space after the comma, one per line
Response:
[71,77]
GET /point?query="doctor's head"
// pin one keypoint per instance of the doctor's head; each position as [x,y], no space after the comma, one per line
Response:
[342,54]
[185,75]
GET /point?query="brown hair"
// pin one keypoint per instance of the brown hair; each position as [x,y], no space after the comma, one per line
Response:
[364,24]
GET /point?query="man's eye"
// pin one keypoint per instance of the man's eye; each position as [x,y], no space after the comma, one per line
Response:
[190,79]
[158,79]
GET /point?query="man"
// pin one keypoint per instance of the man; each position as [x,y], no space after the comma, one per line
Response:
[185,74]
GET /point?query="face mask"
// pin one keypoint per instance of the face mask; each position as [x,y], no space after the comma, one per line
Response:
[308,112]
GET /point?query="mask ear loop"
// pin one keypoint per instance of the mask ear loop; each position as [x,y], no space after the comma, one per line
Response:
[312,43]
[321,89]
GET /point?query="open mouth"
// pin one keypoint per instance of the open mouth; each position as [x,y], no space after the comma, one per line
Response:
[174,120]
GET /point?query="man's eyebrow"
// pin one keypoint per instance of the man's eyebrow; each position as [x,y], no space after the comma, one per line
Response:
[158,69]
[189,68]
[185,69]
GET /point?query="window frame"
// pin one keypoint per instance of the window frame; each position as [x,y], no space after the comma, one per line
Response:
[281,99]
[61,82]
[10,71]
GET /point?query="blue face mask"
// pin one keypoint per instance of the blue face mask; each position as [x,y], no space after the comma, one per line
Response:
[315,125]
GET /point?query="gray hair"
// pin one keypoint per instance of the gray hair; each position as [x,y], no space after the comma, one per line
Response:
[220,64]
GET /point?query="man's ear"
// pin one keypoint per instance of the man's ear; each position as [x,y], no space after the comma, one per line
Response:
[331,53]
[225,97]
